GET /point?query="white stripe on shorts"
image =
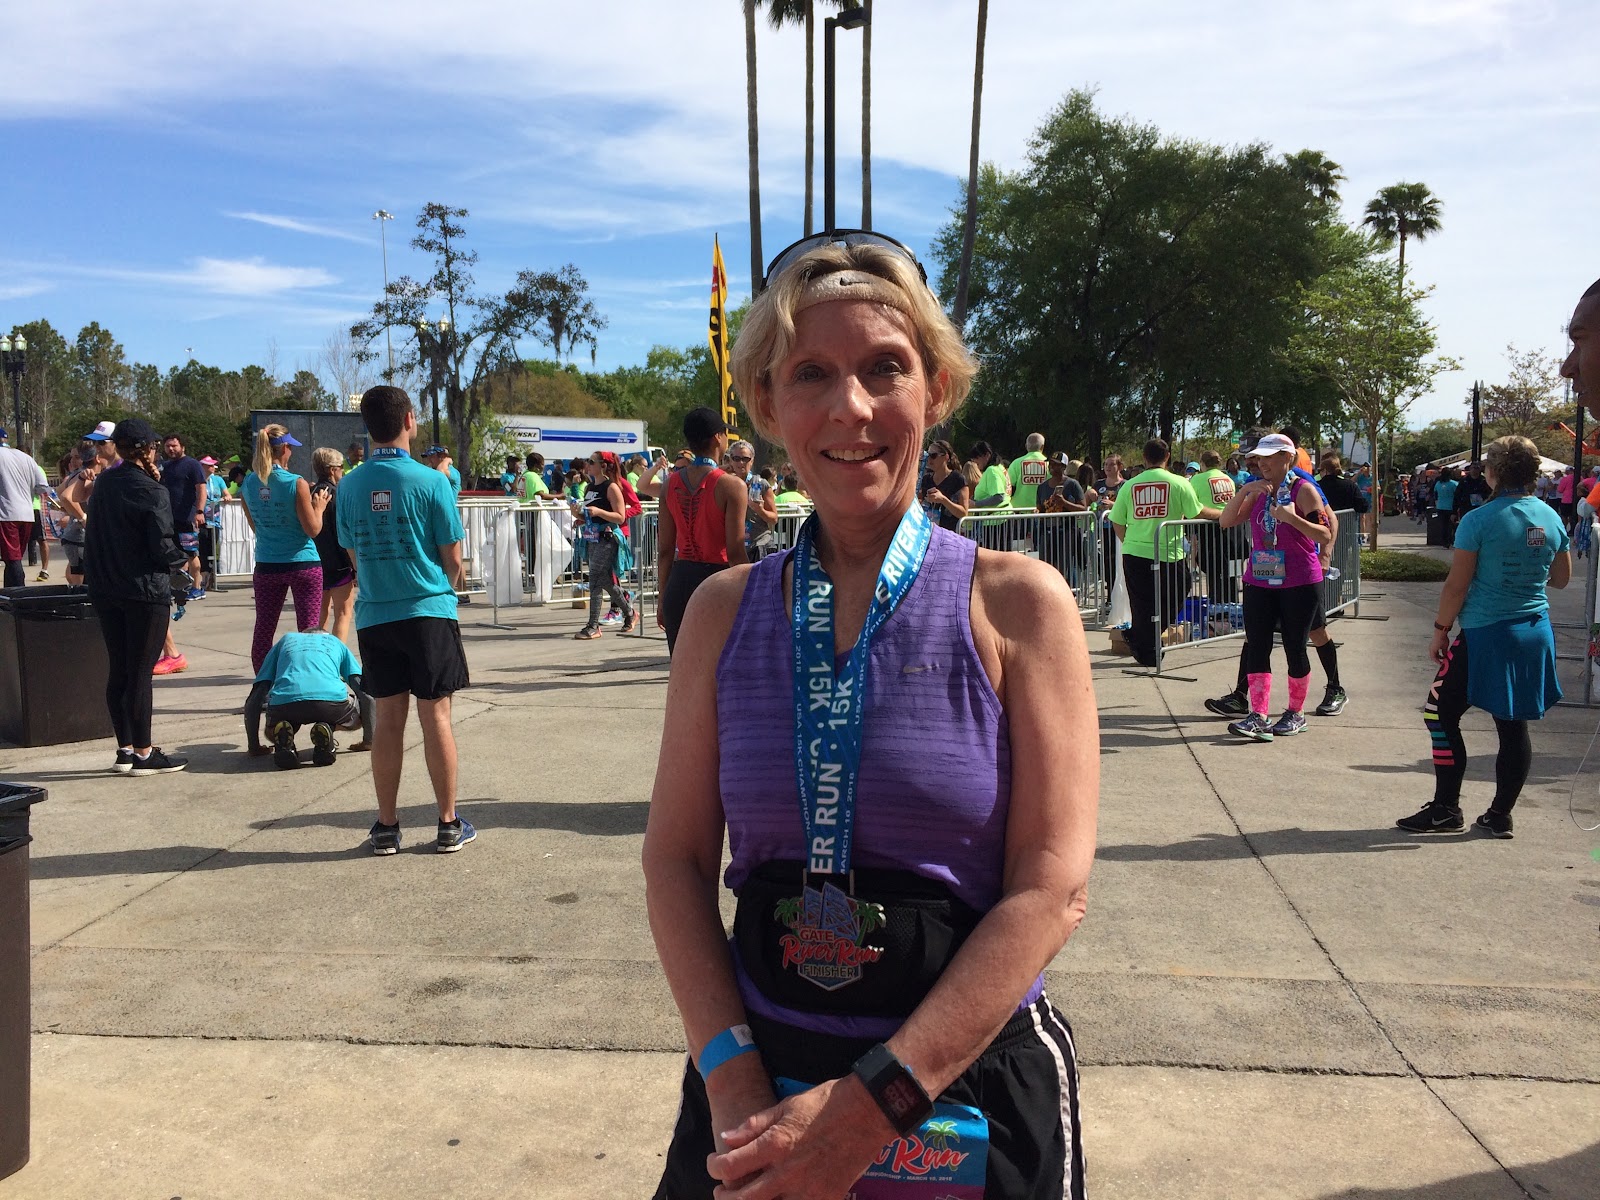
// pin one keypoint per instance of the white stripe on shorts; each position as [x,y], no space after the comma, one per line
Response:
[1063,1075]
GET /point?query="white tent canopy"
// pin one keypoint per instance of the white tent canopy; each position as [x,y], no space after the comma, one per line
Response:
[1546,465]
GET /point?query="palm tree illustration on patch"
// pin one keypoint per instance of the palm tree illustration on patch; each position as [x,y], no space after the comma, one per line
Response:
[826,942]
[937,1135]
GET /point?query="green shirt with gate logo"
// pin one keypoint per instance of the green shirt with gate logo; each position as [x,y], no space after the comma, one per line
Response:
[1026,474]
[1144,502]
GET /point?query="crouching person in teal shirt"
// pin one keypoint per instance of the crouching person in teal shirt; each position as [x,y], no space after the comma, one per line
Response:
[308,679]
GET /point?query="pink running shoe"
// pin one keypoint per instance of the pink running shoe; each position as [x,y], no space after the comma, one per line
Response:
[170,666]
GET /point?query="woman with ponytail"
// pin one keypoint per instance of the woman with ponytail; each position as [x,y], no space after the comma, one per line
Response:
[286,518]
[602,512]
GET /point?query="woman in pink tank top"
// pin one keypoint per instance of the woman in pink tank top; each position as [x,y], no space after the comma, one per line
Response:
[1282,582]
[701,521]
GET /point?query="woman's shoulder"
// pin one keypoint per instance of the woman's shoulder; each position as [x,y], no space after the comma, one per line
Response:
[1018,595]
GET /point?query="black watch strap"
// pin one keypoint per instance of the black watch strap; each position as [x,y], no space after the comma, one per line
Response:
[893,1088]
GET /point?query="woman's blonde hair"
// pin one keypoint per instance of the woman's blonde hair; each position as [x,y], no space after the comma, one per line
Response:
[261,461]
[1514,460]
[767,335]
[324,460]
[970,472]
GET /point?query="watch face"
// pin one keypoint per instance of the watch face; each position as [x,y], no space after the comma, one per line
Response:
[903,1096]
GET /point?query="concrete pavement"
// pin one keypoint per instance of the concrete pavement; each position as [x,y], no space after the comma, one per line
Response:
[1276,993]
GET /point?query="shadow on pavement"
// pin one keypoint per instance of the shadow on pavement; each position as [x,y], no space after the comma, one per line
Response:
[1219,847]
[174,860]
[602,818]
[1572,1175]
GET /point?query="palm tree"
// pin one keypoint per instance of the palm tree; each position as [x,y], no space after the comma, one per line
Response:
[1319,173]
[970,230]
[1401,211]
[866,123]
[756,262]
[803,12]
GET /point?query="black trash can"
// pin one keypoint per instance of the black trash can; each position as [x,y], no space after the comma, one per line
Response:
[15,990]
[53,667]
[1438,528]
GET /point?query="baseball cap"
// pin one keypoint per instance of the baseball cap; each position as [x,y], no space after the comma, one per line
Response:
[134,431]
[101,432]
[1272,443]
[1194,466]
[432,450]
[208,461]
[2,433]
[286,439]
[1063,458]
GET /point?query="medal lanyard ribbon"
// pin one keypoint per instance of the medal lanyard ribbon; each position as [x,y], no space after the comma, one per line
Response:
[1285,497]
[700,460]
[829,709]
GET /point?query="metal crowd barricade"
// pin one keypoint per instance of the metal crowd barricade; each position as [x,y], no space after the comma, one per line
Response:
[1070,542]
[1197,593]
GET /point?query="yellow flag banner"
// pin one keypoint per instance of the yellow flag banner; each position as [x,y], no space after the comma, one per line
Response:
[718,334]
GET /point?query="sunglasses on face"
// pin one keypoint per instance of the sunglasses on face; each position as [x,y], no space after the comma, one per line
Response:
[740,458]
[791,254]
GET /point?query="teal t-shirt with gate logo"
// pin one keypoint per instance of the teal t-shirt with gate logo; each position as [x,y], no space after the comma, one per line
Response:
[395,513]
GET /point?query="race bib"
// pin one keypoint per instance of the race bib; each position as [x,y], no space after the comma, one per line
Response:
[946,1158]
[1269,567]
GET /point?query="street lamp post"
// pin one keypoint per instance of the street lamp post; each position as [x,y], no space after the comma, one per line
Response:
[850,18]
[381,217]
[14,353]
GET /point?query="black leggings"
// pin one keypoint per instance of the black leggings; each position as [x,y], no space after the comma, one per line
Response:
[1288,608]
[1442,712]
[682,580]
[133,634]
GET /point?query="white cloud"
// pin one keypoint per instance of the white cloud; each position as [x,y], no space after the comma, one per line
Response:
[23,288]
[296,225]
[252,277]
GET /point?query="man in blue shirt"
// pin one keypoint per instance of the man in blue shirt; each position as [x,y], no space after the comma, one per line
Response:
[398,518]
[307,679]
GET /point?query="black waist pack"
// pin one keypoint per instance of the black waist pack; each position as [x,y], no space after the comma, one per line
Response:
[871,943]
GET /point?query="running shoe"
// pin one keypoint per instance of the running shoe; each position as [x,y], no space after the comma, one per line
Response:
[1255,726]
[1432,818]
[385,838]
[1234,704]
[588,633]
[1495,824]
[1333,702]
[632,622]
[1289,724]
[170,665]
[197,593]
[323,747]
[612,619]
[124,762]
[157,763]
[41,576]
[283,751]
[455,834]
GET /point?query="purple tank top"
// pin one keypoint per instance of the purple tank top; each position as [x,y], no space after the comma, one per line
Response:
[1300,562]
[935,784]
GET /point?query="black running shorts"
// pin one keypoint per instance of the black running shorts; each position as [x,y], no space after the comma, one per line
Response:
[1025,1082]
[420,655]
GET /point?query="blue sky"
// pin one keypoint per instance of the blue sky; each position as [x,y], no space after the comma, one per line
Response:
[203,176]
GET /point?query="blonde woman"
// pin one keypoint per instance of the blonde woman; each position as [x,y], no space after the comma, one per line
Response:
[286,517]
[338,576]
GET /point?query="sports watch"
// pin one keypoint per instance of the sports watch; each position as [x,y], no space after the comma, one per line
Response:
[893,1088]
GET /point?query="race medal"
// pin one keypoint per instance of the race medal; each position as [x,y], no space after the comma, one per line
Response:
[827,927]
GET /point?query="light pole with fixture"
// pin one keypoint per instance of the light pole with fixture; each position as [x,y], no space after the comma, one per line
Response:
[850,18]
[381,217]
[14,353]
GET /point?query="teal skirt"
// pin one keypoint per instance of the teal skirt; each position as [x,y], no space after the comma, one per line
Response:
[1511,668]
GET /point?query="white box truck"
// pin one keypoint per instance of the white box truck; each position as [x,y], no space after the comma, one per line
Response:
[577,437]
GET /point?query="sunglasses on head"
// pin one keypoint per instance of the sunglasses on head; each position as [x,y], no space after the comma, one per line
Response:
[792,254]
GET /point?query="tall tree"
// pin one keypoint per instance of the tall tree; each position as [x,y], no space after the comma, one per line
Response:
[482,331]
[753,145]
[970,226]
[1400,212]
[866,120]
[1319,173]
[1370,341]
[803,13]
[100,368]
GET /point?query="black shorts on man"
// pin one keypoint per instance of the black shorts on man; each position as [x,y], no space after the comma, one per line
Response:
[419,655]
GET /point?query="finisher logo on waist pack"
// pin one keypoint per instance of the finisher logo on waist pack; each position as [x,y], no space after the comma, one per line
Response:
[1150,501]
[827,940]
[382,500]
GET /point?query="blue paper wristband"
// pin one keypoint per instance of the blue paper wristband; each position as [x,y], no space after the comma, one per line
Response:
[730,1043]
